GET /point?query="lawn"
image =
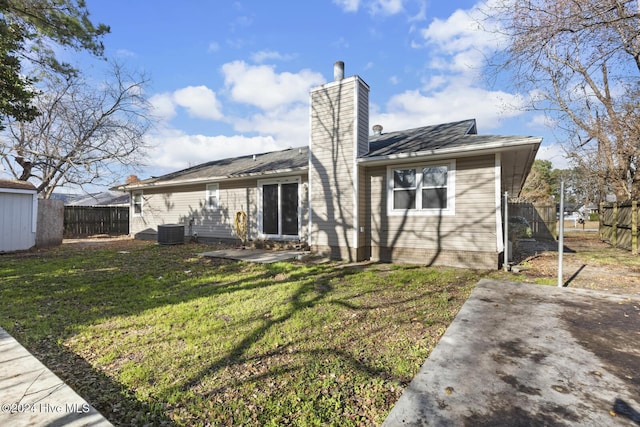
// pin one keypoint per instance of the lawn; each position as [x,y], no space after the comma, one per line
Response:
[155,334]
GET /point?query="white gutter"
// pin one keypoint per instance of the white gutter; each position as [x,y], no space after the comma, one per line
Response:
[498,202]
[18,190]
[210,180]
[309,177]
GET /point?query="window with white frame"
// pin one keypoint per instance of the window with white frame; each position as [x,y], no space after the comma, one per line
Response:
[421,189]
[137,202]
[212,199]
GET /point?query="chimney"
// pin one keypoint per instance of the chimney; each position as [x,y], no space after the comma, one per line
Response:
[339,135]
[131,179]
[338,71]
[377,130]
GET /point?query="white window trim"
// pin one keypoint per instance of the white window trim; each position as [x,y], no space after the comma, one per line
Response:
[133,204]
[212,188]
[451,190]
[284,180]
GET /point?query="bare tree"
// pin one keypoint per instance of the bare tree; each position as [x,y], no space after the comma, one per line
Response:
[538,188]
[83,133]
[580,61]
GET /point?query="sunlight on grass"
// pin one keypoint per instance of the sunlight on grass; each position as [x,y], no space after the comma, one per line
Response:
[190,340]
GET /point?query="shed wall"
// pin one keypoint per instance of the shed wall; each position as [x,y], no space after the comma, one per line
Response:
[17,220]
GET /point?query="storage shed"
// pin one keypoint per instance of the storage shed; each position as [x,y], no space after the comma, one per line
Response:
[18,215]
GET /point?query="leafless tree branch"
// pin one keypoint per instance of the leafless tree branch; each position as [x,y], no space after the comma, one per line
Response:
[83,131]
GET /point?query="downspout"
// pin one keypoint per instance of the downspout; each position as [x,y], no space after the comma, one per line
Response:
[497,175]
[561,236]
[505,264]
[309,176]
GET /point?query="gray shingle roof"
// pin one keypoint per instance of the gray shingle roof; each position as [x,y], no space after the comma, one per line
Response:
[16,185]
[238,167]
[424,138]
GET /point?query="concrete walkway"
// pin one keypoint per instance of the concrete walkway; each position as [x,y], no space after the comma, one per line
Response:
[263,256]
[31,395]
[531,355]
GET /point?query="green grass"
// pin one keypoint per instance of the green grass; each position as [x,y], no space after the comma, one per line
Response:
[158,335]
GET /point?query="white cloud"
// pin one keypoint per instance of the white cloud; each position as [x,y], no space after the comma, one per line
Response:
[421,14]
[271,112]
[454,102]
[262,87]
[556,154]
[264,55]
[348,5]
[452,88]
[434,82]
[125,53]
[542,121]
[386,7]
[454,33]
[213,47]
[462,41]
[200,101]
[162,106]
[175,150]
[289,127]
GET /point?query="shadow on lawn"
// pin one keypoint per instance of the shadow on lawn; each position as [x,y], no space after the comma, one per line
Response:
[236,355]
[104,299]
[239,361]
[112,399]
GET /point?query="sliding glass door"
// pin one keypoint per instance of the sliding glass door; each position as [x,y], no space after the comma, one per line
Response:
[279,208]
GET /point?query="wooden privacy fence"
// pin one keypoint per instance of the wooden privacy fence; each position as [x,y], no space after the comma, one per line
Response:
[82,221]
[541,218]
[619,225]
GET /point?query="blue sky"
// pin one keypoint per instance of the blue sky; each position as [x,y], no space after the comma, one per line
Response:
[232,77]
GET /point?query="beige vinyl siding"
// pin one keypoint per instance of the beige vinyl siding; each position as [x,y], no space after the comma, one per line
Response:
[472,228]
[364,249]
[332,165]
[235,196]
[180,204]
[363,118]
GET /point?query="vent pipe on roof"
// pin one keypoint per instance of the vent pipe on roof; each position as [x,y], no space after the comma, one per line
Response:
[377,129]
[338,71]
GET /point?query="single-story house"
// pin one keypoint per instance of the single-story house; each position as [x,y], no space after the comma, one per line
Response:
[104,198]
[429,195]
[18,215]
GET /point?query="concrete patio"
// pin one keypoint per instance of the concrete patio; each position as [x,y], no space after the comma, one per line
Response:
[531,355]
[263,256]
